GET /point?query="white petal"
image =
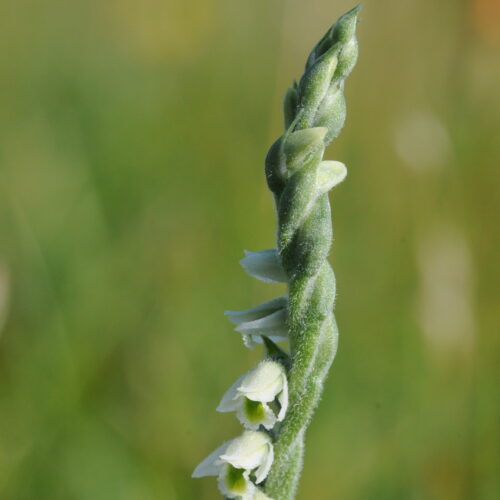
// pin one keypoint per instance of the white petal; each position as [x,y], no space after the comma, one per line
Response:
[330,173]
[229,401]
[241,491]
[257,312]
[262,472]
[211,465]
[264,265]
[264,382]
[268,420]
[274,324]
[251,340]
[267,319]
[283,399]
[248,451]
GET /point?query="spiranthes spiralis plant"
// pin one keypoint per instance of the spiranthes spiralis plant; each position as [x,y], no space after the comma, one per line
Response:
[275,400]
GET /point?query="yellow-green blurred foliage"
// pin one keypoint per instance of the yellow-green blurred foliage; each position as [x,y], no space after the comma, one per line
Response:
[132,142]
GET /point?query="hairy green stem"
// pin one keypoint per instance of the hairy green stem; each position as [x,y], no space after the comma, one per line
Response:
[300,180]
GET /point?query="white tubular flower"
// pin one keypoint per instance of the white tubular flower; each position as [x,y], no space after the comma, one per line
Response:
[250,454]
[252,393]
[267,319]
[264,265]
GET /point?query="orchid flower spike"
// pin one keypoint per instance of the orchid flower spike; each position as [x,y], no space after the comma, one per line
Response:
[253,394]
[267,319]
[300,180]
[239,465]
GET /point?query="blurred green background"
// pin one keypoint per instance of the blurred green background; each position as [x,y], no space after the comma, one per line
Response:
[131,179]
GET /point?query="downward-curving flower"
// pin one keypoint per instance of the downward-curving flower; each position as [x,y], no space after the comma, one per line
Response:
[255,393]
[240,464]
[264,265]
[267,319]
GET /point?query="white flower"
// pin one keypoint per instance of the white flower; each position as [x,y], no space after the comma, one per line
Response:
[251,394]
[237,462]
[264,265]
[267,319]
[235,483]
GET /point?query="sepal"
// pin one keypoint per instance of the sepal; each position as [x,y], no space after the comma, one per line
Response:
[264,265]
[267,319]
[211,465]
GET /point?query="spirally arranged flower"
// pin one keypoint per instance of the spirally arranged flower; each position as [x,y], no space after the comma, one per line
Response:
[267,319]
[240,464]
[255,394]
[264,265]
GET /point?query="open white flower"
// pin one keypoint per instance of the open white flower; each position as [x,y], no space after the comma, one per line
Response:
[250,396]
[267,319]
[238,462]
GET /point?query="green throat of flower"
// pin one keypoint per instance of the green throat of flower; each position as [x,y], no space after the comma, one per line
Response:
[235,480]
[254,411]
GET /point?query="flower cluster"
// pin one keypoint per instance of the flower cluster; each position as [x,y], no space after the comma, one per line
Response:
[259,397]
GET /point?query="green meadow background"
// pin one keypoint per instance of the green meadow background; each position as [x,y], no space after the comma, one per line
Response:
[132,139]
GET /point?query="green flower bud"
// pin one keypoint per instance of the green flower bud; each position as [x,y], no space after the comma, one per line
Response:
[290,103]
[275,167]
[303,146]
[314,85]
[331,113]
[347,60]
[345,28]
[320,48]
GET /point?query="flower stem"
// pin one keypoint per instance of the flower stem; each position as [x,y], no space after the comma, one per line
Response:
[300,180]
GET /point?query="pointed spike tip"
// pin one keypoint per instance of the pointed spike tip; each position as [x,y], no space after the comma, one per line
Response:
[348,16]
[339,32]
[345,27]
[354,11]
